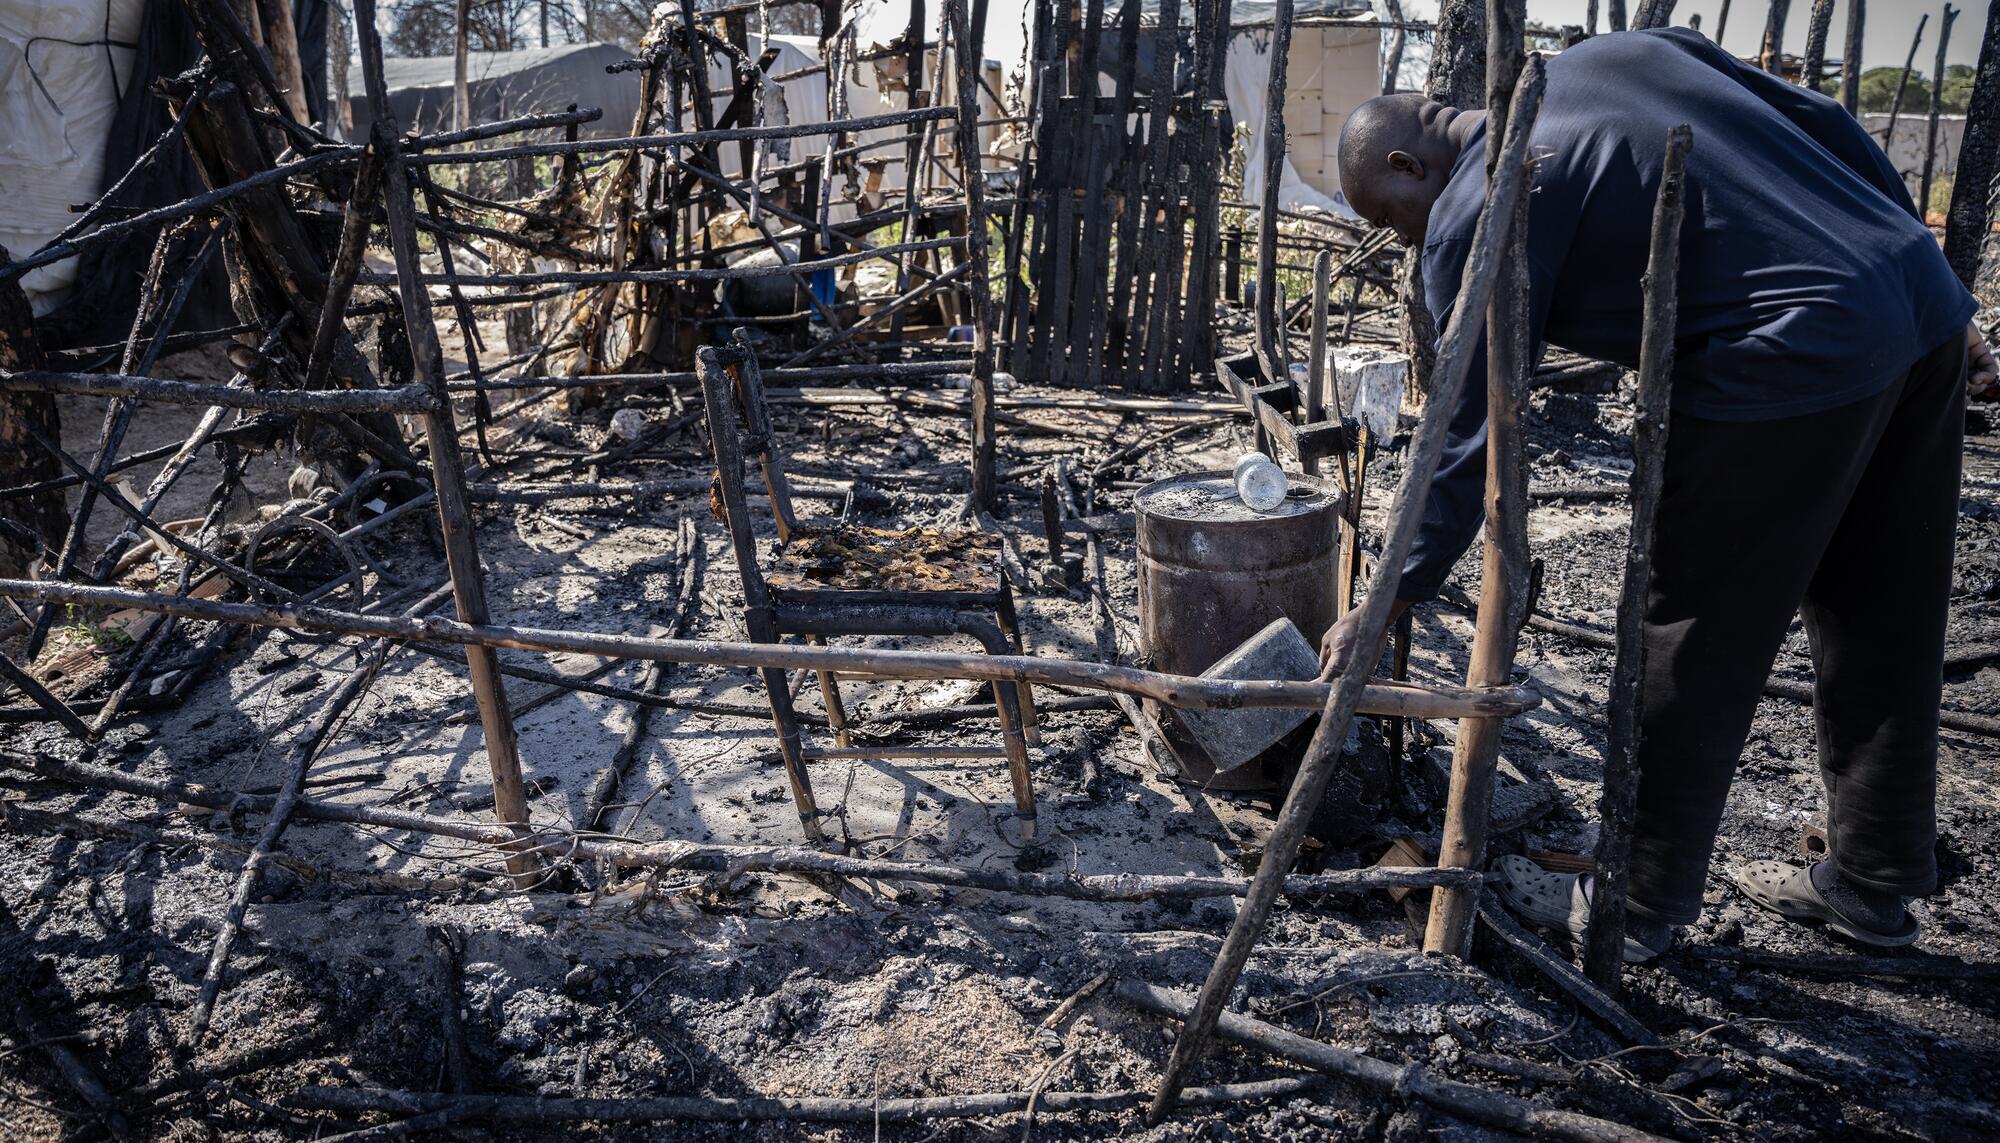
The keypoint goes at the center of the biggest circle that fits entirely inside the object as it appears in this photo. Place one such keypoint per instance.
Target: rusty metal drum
(1213, 572)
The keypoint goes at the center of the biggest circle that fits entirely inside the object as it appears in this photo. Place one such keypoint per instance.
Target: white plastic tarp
(59, 89)
(1246, 78)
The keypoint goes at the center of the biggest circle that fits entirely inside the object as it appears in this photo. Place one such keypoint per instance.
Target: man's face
(1398, 196)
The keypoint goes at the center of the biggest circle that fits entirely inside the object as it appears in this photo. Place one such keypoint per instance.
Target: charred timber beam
(1403, 700)
(407, 399)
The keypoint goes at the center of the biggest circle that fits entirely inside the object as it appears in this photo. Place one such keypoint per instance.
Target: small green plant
(106, 637)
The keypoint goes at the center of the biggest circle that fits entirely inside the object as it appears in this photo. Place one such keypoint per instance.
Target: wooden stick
(1407, 701)
(1850, 60)
(1931, 120)
(1605, 945)
(1274, 169)
(1503, 577)
(1480, 1105)
(657, 1109)
(56, 708)
(1816, 30)
(1316, 378)
(1323, 753)
(1562, 973)
(447, 466)
(968, 54)
(701, 856)
(1903, 82)
(1965, 232)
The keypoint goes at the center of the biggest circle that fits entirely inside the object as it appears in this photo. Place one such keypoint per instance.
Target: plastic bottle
(1260, 483)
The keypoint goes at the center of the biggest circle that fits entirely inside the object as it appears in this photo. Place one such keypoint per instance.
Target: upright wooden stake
(1816, 30)
(1605, 947)
(1503, 577)
(985, 485)
(1770, 57)
(1903, 82)
(1721, 21)
(1392, 60)
(1316, 377)
(461, 89)
(1850, 58)
(510, 803)
(1274, 169)
(1965, 229)
(1931, 122)
(1323, 753)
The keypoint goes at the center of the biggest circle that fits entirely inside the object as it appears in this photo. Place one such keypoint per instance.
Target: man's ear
(1404, 163)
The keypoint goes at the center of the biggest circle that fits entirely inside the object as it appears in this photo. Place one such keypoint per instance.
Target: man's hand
(1336, 647)
(1982, 371)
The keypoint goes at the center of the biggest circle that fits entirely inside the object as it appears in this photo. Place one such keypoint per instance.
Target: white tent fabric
(1246, 75)
(57, 100)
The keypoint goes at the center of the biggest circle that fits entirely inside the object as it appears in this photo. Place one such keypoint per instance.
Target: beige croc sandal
(1788, 891)
(1553, 900)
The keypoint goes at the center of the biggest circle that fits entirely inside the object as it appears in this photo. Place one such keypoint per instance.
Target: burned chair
(844, 579)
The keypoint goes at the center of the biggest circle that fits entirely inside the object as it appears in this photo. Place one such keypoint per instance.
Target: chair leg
(1010, 624)
(1007, 702)
(793, 751)
(829, 694)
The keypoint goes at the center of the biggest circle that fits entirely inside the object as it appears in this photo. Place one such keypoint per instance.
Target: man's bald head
(1396, 154)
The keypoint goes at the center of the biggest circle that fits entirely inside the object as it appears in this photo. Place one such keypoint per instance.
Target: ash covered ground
(365, 947)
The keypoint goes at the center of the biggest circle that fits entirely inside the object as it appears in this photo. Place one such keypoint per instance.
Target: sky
(1886, 40)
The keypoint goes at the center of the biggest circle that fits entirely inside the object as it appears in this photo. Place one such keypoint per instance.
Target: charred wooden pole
(503, 758)
(1392, 60)
(1316, 378)
(1267, 217)
(1931, 120)
(1457, 78)
(1817, 27)
(1965, 230)
(1605, 945)
(1850, 58)
(1615, 14)
(970, 44)
(1903, 82)
(42, 516)
(1323, 753)
(1771, 55)
(1721, 21)
(1503, 576)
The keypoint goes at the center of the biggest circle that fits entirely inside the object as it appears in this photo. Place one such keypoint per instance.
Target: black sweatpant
(1847, 517)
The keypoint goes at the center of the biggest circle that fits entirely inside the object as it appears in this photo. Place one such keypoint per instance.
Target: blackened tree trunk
(1771, 57)
(42, 516)
(1816, 31)
(1972, 186)
(1614, 12)
(1457, 77)
(1937, 103)
(1850, 59)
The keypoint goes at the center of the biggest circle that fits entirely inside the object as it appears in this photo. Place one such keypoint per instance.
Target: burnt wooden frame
(732, 386)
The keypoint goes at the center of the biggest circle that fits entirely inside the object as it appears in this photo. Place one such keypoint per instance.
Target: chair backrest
(732, 387)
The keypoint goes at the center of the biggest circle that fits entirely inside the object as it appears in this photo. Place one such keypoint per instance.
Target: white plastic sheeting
(59, 89)
(1330, 71)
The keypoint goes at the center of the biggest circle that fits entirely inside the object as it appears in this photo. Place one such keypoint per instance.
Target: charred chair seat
(829, 579)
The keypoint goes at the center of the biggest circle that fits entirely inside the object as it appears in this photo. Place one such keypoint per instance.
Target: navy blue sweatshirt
(1807, 278)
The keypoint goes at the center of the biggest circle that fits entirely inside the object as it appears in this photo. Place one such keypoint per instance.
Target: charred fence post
(1503, 576)
(1605, 946)
(503, 757)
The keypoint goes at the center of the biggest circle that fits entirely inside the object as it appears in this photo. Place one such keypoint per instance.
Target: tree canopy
(1878, 89)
